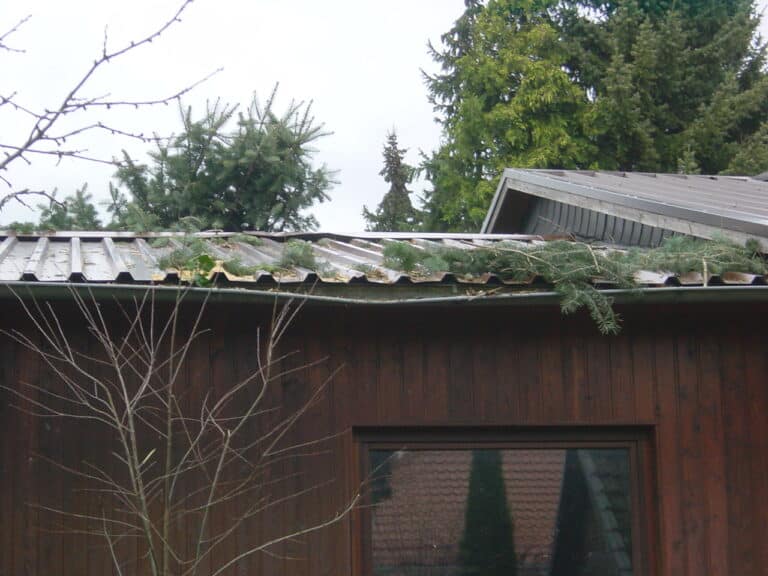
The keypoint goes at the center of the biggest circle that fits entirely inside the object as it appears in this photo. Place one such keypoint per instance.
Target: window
(492, 505)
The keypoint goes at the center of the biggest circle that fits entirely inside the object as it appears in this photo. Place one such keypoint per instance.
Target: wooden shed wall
(691, 376)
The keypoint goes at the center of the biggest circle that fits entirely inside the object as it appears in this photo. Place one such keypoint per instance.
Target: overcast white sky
(359, 61)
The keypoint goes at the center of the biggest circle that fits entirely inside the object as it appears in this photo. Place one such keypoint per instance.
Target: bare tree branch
(170, 462)
(41, 139)
(4, 35)
(21, 195)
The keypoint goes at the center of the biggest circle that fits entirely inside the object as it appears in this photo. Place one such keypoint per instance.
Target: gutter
(59, 292)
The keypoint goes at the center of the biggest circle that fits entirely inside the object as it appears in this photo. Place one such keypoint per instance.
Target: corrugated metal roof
(123, 258)
(735, 206)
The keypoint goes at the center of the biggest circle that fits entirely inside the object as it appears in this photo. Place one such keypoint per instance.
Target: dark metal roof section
(735, 207)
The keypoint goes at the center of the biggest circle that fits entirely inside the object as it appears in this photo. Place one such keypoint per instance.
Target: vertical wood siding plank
(579, 378)
(319, 470)
(49, 486)
(365, 373)
(390, 389)
(295, 394)
(461, 390)
(414, 398)
(712, 445)
(9, 356)
(623, 386)
(223, 378)
(551, 391)
(436, 370)
(738, 455)
(200, 386)
(529, 389)
(484, 378)
(569, 393)
(669, 469)
(26, 501)
(507, 379)
(757, 406)
(691, 455)
(643, 370)
(602, 403)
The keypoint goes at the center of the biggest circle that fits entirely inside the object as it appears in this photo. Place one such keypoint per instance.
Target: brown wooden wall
(692, 377)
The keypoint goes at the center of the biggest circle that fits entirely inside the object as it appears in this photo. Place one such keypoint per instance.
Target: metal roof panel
(690, 204)
(341, 260)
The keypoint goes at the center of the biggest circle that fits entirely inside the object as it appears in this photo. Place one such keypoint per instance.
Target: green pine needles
(576, 269)
(196, 260)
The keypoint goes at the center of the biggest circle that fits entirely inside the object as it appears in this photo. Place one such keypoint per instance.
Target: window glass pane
(511, 512)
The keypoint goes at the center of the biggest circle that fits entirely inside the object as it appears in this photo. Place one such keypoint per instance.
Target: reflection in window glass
(512, 512)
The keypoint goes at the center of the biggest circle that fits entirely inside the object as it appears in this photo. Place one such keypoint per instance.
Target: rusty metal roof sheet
(125, 258)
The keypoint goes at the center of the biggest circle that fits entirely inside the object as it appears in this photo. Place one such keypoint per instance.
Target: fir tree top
(395, 213)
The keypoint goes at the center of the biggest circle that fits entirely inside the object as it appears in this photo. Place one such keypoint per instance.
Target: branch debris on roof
(426, 266)
(576, 269)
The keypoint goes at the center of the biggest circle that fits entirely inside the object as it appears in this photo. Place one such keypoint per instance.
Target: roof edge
(101, 234)
(681, 219)
(496, 203)
(55, 291)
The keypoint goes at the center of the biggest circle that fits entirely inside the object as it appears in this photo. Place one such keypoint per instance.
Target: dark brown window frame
(637, 439)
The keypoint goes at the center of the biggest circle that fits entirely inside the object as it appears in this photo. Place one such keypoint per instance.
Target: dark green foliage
(395, 213)
(298, 253)
(573, 268)
(488, 545)
(161, 242)
(620, 85)
(128, 215)
(505, 99)
(256, 176)
(246, 239)
(75, 212)
(751, 157)
(668, 78)
(403, 256)
(21, 227)
(682, 254)
(191, 259)
(195, 261)
(236, 267)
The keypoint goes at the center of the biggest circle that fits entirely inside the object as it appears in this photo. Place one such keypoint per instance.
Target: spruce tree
(672, 79)
(636, 85)
(752, 155)
(487, 546)
(395, 213)
(75, 212)
(256, 175)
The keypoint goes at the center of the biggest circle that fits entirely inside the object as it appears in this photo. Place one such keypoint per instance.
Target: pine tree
(75, 212)
(488, 545)
(258, 175)
(395, 213)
